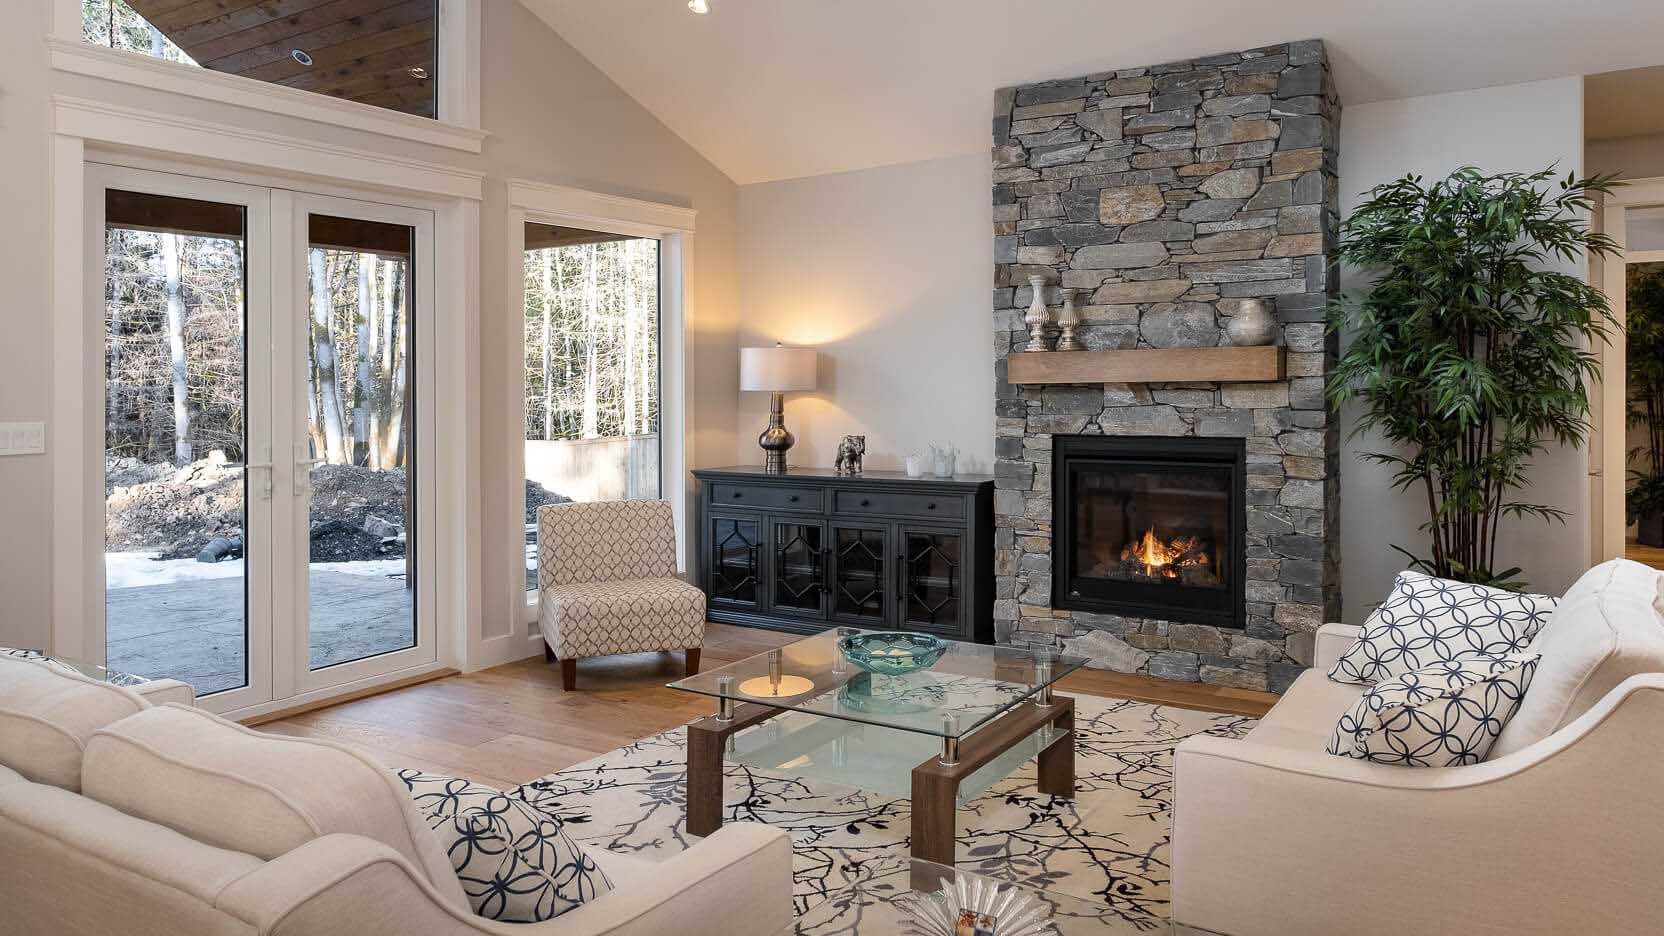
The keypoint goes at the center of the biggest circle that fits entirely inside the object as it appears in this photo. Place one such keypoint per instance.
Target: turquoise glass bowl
(892, 653)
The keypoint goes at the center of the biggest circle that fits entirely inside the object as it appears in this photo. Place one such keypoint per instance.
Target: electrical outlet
(22, 438)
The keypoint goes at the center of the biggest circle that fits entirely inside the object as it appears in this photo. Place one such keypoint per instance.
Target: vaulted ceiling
(774, 89)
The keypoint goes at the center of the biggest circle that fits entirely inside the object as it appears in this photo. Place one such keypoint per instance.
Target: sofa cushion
(1445, 715)
(515, 862)
(235, 788)
(1427, 620)
(47, 715)
(1605, 630)
(1305, 716)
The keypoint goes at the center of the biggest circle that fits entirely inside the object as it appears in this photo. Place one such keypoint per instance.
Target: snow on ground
(138, 569)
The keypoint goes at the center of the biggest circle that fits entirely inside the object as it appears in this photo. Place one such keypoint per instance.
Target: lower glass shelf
(865, 757)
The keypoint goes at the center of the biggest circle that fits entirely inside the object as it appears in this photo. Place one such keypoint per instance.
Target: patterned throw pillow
(1444, 715)
(1429, 620)
(515, 862)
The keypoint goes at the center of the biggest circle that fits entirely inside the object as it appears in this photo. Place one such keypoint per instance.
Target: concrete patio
(193, 630)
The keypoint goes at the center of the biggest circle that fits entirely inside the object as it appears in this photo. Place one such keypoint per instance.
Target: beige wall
(1637, 157)
(1519, 127)
(25, 381)
(552, 117)
(886, 272)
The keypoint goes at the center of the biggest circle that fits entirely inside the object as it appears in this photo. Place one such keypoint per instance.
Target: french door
(266, 390)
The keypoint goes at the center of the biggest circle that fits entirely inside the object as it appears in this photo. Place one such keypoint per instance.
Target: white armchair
(607, 584)
(1272, 835)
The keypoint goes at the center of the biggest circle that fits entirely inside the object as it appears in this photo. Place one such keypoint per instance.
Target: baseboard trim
(362, 693)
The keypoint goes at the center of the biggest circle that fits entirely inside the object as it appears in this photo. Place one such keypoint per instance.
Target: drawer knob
(930, 506)
(866, 503)
(792, 498)
(738, 494)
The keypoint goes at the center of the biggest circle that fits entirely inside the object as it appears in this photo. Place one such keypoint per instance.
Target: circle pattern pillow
(1445, 715)
(1427, 620)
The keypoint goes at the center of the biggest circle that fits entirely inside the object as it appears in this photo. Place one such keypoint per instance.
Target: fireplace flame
(1165, 558)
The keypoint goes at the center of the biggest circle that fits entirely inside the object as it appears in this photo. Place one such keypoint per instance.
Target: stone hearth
(1167, 195)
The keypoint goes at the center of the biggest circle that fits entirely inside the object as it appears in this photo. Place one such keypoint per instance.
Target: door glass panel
(859, 588)
(734, 560)
(591, 370)
(799, 566)
(380, 52)
(933, 579)
(360, 423)
(176, 491)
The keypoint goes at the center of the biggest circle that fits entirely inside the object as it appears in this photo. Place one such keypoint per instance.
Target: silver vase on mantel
(1252, 325)
(1067, 321)
(1037, 318)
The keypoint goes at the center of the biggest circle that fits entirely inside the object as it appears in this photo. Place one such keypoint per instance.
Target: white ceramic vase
(1037, 318)
(1252, 324)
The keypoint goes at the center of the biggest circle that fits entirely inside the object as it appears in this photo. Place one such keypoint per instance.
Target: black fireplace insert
(1149, 527)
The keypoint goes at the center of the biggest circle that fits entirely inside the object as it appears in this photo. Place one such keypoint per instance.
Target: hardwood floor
(1646, 555)
(510, 724)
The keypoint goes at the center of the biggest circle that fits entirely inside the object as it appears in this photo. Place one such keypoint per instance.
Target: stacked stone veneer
(1167, 195)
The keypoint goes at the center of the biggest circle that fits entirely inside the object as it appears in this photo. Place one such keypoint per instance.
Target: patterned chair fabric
(607, 581)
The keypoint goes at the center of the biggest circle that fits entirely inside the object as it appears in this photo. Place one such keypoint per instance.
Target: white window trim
(459, 82)
(86, 130)
(673, 227)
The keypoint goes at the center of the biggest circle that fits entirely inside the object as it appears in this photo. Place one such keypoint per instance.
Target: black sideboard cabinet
(813, 549)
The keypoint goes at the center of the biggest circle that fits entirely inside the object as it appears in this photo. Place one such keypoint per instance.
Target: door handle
(303, 475)
(264, 492)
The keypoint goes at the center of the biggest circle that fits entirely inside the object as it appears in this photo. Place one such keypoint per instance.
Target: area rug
(1109, 844)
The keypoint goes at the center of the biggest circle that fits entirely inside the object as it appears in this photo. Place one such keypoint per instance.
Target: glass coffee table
(939, 736)
(900, 902)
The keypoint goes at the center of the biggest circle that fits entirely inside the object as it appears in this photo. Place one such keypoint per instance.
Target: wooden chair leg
(693, 661)
(569, 675)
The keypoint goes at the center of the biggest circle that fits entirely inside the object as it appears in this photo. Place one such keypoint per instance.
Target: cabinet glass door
(736, 566)
(799, 557)
(933, 583)
(860, 585)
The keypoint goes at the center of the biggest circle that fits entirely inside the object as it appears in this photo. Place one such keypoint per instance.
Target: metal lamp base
(775, 440)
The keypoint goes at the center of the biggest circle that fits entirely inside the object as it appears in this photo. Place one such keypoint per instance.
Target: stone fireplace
(1164, 197)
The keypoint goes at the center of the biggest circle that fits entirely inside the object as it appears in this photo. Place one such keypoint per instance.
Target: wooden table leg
(704, 780)
(935, 803)
(1057, 761)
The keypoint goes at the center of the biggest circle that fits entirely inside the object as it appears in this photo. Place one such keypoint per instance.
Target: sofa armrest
(1333, 640)
(736, 880)
(1270, 840)
(163, 691)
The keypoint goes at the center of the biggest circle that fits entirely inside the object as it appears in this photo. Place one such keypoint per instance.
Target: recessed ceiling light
(300, 56)
(699, 6)
(417, 71)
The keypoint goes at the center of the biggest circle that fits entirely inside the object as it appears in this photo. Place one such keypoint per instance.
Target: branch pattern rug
(1109, 844)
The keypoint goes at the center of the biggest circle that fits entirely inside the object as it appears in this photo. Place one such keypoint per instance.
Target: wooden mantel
(1146, 365)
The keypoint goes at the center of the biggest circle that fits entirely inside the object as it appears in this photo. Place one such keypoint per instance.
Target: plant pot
(1649, 529)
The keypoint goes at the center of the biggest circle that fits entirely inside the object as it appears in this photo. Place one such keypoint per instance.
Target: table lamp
(776, 370)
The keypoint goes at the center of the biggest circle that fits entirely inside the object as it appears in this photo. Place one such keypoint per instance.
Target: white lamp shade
(777, 369)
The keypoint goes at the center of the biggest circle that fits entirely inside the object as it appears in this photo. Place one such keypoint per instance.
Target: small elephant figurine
(850, 451)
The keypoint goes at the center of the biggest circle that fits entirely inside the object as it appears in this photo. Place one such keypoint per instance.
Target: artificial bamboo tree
(1470, 350)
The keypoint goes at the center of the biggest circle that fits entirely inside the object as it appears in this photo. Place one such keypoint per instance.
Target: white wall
(888, 273)
(552, 116)
(25, 481)
(1519, 127)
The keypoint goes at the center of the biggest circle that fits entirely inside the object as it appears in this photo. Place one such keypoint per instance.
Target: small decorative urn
(1037, 319)
(1252, 324)
(1067, 321)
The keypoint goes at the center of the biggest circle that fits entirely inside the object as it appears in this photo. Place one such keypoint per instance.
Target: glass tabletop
(968, 686)
(924, 899)
(89, 670)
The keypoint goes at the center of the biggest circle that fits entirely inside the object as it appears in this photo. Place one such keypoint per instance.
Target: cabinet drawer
(765, 496)
(895, 504)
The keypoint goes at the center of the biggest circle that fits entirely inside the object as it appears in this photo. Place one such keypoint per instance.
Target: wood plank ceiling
(361, 50)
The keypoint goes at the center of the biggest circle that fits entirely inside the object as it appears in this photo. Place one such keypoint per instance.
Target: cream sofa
(121, 817)
(1560, 831)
